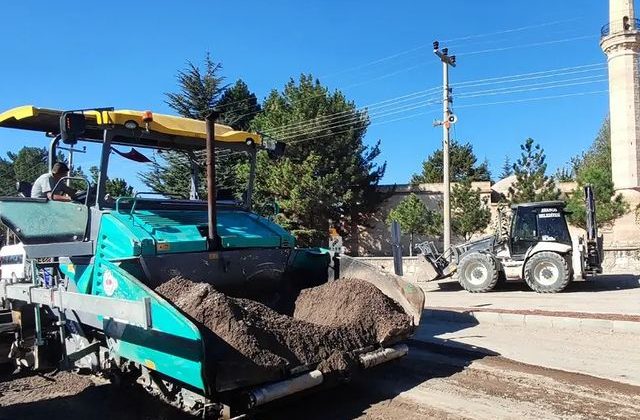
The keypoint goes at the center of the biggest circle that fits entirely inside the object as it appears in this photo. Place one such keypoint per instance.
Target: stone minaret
(621, 43)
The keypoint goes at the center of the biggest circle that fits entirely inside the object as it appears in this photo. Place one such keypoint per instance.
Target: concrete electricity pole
(447, 119)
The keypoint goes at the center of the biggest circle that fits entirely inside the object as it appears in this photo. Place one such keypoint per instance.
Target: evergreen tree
(463, 165)
(303, 115)
(594, 168)
(507, 168)
(415, 219)
(469, 211)
(532, 183)
(201, 90)
(305, 199)
(116, 187)
(7, 178)
(564, 175)
(29, 163)
(238, 106)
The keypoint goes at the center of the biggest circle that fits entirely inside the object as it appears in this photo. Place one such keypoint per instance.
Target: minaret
(621, 43)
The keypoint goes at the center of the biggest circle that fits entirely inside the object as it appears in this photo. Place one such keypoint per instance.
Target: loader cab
(537, 222)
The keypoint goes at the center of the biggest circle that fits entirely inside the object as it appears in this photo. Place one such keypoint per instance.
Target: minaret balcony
(625, 25)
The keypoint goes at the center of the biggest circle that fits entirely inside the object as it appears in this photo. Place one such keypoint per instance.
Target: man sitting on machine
(44, 185)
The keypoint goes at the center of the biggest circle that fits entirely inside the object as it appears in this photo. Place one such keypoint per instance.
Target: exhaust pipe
(212, 236)
(277, 390)
(383, 355)
(272, 392)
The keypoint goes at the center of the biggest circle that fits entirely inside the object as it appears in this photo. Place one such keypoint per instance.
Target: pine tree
(463, 164)
(507, 168)
(29, 163)
(414, 218)
(116, 187)
(201, 90)
(302, 115)
(238, 106)
(532, 183)
(469, 211)
(594, 168)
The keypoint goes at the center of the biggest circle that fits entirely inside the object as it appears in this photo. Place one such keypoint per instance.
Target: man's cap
(59, 168)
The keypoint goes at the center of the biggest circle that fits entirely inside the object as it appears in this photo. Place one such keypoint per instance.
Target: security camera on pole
(447, 119)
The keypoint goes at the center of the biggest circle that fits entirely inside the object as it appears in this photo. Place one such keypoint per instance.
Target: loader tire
(547, 272)
(478, 272)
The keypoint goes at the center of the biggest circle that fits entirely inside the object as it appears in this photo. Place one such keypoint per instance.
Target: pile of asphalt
(249, 343)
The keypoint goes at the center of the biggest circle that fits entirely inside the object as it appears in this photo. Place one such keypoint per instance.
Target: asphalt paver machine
(87, 298)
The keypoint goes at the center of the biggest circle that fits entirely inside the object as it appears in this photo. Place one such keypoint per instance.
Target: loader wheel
(547, 272)
(478, 272)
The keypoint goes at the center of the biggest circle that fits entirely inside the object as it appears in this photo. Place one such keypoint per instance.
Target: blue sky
(126, 54)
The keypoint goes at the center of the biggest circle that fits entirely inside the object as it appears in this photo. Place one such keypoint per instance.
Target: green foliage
(200, 89)
(7, 178)
(532, 183)
(171, 175)
(29, 163)
(594, 168)
(564, 175)
(415, 218)
(304, 116)
(507, 168)
(238, 106)
(463, 165)
(469, 211)
(116, 187)
(599, 154)
(305, 199)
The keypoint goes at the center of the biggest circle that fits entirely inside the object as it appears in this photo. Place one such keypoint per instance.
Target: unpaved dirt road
(431, 382)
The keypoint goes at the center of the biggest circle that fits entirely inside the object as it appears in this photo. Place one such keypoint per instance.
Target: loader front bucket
(408, 295)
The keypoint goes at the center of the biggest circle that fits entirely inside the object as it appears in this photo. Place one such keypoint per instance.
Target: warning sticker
(109, 283)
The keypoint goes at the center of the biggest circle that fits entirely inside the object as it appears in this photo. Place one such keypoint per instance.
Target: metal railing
(620, 26)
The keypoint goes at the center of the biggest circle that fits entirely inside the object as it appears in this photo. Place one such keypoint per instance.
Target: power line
(303, 125)
(464, 106)
(532, 75)
(517, 86)
(405, 69)
(300, 125)
(529, 89)
(535, 44)
(374, 105)
(452, 40)
(505, 92)
(360, 121)
(534, 99)
(357, 114)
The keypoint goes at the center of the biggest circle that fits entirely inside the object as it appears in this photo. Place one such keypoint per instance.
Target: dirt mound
(251, 343)
(353, 302)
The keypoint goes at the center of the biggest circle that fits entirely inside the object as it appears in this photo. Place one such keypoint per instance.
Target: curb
(579, 322)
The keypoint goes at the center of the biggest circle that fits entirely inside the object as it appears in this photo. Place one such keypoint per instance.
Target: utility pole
(447, 119)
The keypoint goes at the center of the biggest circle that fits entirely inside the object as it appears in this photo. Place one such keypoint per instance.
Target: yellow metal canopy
(29, 117)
